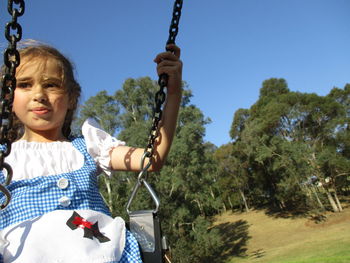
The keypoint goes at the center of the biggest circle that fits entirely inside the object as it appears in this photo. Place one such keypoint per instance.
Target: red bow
(90, 230)
(81, 222)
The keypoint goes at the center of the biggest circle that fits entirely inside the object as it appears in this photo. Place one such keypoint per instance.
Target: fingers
(173, 53)
(167, 66)
(169, 63)
(169, 60)
(174, 49)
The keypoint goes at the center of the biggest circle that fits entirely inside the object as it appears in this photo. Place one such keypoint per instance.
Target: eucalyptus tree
(232, 176)
(188, 184)
(286, 137)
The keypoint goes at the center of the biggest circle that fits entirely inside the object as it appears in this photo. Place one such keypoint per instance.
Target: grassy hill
(258, 237)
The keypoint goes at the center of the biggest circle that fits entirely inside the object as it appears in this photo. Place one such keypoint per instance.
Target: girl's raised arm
(128, 158)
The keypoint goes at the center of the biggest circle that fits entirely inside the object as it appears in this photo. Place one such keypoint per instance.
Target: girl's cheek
(19, 100)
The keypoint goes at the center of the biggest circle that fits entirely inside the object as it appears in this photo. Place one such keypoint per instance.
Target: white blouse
(33, 159)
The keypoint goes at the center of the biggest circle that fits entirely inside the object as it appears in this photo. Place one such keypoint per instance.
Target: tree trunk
(317, 198)
(231, 205)
(280, 204)
(109, 193)
(171, 190)
(211, 192)
(332, 202)
(244, 200)
(200, 207)
(224, 206)
(337, 201)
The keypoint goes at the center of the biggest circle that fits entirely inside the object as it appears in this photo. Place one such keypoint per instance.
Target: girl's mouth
(40, 111)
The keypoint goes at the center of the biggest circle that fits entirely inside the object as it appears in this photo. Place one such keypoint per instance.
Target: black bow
(90, 230)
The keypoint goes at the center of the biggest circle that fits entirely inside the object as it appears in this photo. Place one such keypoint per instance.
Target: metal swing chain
(13, 33)
(157, 116)
(162, 82)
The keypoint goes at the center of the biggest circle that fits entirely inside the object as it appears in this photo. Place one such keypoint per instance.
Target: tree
(103, 108)
(287, 138)
(232, 175)
(238, 124)
(188, 187)
(273, 87)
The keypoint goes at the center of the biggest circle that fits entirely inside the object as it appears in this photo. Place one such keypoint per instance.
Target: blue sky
(229, 47)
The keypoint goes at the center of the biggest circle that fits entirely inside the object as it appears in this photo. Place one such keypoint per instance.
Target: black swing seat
(145, 225)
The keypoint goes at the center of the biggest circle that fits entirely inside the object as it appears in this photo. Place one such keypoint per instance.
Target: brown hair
(71, 86)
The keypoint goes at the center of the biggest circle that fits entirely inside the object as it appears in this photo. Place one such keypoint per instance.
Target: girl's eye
(23, 85)
(52, 86)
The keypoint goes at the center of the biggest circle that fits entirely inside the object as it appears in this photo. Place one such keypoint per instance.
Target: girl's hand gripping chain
(169, 63)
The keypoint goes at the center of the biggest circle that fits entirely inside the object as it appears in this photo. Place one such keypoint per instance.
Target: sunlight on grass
(317, 252)
(287, 240)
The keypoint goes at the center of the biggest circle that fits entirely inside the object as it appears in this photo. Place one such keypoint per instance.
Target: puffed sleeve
(99, 144)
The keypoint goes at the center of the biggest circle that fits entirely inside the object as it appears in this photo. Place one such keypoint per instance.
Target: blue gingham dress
(38, 196)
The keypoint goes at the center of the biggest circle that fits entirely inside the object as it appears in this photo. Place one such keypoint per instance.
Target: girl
(56, 213)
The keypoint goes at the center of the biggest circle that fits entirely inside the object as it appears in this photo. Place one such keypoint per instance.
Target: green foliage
(188, 188)
(287, 137)
(101, 107)
(273, 87)
(187, 183)
(239, 119)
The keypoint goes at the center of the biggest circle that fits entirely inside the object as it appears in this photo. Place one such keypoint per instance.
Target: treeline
(290, 151)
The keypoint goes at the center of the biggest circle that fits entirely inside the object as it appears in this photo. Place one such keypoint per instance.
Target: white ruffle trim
(99, 144)
(33, 159)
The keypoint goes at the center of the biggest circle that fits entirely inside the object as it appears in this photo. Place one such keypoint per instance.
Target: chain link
(160, 95)
(13, 33)
(174, 26)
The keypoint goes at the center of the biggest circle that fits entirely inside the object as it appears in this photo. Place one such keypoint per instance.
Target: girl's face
(40, 102)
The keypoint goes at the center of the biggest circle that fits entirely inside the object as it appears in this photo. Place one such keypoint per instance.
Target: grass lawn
(260, 238)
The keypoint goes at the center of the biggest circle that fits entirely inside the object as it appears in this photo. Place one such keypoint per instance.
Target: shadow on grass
(312, 215)
(235, 238)
(275, 212)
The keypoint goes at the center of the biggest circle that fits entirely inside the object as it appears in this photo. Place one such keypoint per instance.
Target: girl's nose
(39, 94)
